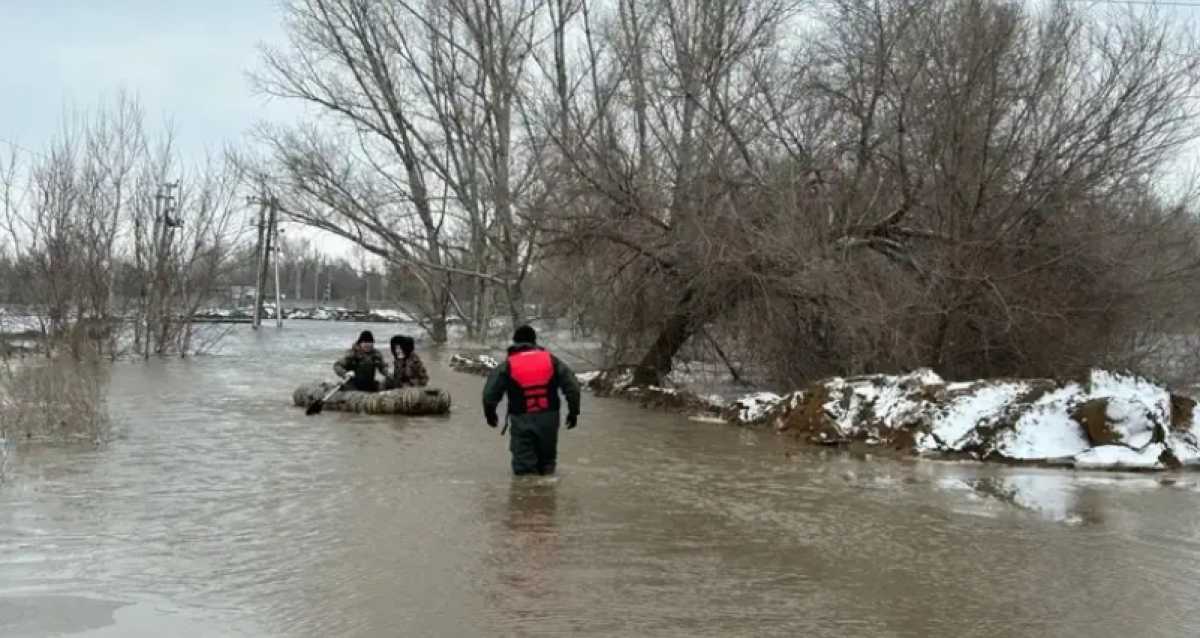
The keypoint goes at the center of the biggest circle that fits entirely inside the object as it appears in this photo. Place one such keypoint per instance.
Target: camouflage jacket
(362, 364)
(409, 372)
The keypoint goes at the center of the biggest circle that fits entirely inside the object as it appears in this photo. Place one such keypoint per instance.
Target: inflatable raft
(410, 401)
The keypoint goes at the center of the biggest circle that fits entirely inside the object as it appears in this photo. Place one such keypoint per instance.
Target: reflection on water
(526, 555)
(218, 509)
(1053, 495)
(532, 536)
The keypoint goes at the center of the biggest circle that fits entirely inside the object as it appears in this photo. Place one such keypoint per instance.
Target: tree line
(826, 187)
(815, 188)
(108, 234)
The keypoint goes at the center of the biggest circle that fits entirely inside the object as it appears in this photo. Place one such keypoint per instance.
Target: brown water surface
(219, 509)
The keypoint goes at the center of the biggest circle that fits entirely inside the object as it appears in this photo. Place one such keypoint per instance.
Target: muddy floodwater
(218, 509)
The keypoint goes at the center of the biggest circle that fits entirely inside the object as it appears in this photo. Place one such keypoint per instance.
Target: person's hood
(522, 347)
(399, 343)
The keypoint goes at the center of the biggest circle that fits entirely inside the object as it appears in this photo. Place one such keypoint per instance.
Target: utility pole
(317, 283)
(163, 229)
(268, 247)
(274, 223)
(261, 269)
(298, 280)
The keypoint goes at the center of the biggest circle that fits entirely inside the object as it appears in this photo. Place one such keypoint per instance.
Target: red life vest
(532, 390)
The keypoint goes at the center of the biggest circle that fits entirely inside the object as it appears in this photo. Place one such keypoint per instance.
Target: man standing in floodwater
(531, 378)
(359, 365)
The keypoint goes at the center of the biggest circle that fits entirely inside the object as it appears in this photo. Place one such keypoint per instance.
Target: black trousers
(534, 442)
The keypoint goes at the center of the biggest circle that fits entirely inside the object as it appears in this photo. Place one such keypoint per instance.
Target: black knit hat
(365, 336)
(525, 334)
(404, 342)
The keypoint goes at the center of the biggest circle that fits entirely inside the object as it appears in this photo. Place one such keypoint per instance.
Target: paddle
(319, 404)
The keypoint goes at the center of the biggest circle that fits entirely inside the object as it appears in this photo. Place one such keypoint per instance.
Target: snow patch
(895, 406)
(391, 314)
(753, 407)
(19, 324)
(1185, 447)
(479, 364)
(954, 426)
(623, 381)
(1046, 430)
(1121, 457)
(924, 376)
(1043, 435)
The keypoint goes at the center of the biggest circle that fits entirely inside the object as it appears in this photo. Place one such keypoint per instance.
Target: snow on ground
(753, 407)
(1046, 430)
(1121, 457)
(895, 404)
(623, 381)
(393, 315)
(1024, 421)
(474, 363)
(1132, 389)
(18, 324)
(845, 404)
(1043, 436)
(322, 314)
(962, 415)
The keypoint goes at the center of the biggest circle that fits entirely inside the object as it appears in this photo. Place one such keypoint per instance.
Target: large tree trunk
(656, 364)
(689, 317)
(437, 330)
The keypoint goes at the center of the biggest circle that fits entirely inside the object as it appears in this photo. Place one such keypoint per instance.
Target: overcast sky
(185, 60)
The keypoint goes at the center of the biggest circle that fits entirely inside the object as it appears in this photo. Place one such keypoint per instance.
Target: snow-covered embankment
(1107, 420)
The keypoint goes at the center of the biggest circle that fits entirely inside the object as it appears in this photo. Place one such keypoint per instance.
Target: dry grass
(53, 401)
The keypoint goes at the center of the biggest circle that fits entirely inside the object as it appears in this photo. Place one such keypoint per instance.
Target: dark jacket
(500, 385)
(362, 364)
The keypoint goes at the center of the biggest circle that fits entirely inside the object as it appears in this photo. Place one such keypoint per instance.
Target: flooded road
(220, 510)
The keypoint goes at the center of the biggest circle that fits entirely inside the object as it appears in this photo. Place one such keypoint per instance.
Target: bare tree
(420, 162)
(911, 183)
(666, 188)
(70, 231)
(986, 161)
(831, 188)
(209, 210)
